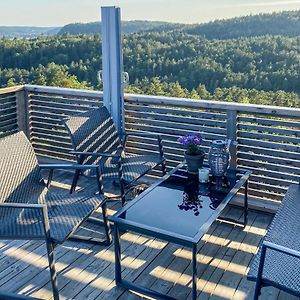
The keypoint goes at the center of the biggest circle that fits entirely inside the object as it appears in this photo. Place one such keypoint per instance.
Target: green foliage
(285, 23)
(168, 61)
(127, 27)
(263, 63)
(232, 94)
(51, 75)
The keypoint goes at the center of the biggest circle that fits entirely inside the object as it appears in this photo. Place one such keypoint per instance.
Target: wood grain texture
(86, 271)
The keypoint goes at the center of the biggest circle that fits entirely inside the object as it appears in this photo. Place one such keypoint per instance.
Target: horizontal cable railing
(268, 138)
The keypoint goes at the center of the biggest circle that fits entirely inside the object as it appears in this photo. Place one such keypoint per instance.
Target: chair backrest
(93, 131)
(20, 179)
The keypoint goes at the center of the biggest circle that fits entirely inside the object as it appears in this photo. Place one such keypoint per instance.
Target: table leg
(246, 204)
(194, 274)
(118, 274)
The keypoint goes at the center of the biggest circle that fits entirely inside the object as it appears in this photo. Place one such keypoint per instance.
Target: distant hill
(285, 23)
(127, 27)
(27, 31)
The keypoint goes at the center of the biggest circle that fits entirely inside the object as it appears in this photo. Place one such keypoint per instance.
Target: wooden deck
(87, 271)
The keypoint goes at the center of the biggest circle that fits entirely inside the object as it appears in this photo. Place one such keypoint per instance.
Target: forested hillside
(267, 63)
(26, 31)
(83, 28)
(284, 23)
(261, 69)
(127, 27)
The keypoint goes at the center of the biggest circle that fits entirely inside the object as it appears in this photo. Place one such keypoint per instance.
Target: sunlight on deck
(86, 271)
(182, 279)
(220, 263)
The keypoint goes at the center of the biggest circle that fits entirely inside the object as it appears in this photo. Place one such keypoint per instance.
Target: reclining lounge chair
(28, 211)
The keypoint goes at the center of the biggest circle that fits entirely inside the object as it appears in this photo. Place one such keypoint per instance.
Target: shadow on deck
(87, 271)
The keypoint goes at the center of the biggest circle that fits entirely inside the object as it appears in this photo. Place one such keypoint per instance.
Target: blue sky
(60, 12)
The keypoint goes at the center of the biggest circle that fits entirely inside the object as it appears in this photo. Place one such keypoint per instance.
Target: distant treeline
(264, 63)
(127, 27)
(174, 58)
(285, 23)
(233, 94)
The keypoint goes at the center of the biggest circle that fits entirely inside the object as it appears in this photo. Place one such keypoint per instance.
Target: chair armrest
(23, 205)
(281, 249)
(67, 167)
(104, 154)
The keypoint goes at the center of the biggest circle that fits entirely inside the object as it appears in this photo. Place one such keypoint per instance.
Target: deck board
(86, 271)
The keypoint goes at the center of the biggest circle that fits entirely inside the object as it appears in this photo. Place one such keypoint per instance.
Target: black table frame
(122, 225)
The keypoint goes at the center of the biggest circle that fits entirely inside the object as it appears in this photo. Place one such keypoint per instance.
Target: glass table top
(180, 204)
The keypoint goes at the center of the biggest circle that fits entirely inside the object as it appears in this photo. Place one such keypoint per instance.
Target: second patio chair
(96, 141)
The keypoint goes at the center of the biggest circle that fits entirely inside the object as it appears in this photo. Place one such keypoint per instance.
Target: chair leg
(50, 252)
(106, 223)
(257, 291)
(50, 177)
(122, 190)
(94, 240)
(74, 182)
(258, 284)
(164, 168)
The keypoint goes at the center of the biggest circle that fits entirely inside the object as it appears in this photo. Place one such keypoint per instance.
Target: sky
(61, 12)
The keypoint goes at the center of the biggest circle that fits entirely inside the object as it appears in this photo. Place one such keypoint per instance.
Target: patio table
(180, 210)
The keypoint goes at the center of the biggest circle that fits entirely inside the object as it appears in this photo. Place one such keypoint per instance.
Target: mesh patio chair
(96, 142)
(29, 211)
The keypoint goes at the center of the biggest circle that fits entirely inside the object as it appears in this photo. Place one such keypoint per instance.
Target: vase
(219, 158)
(194, 162)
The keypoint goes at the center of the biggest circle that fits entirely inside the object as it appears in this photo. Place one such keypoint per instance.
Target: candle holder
(203, 175)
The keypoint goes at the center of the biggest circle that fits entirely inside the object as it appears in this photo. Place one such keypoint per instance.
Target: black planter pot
(194, 162)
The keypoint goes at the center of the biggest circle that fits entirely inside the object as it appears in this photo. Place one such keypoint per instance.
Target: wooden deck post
(232, 135)
(23, 111)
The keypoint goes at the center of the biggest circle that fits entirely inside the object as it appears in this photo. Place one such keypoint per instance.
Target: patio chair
(96, 142)
(28, 211)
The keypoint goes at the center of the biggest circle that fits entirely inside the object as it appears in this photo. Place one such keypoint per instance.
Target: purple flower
(191, 142)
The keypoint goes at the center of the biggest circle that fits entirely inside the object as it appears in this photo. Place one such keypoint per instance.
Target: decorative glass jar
(219, 157)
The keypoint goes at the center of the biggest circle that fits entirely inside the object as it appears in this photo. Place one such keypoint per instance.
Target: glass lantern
(219, 157)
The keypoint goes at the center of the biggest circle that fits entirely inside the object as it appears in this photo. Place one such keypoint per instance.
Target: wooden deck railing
(268, 138)
(8, 110)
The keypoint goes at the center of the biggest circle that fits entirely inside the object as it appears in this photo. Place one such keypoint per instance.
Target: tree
(202, 92)
(10, 82)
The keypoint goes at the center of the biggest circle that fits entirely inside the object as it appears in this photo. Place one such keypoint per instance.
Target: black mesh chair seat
(96, 141)
(280, 269)
(66, 212)
(133, 166)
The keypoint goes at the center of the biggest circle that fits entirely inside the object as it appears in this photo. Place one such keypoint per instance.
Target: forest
(263, 69)
(285, 23)
(127, 27)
